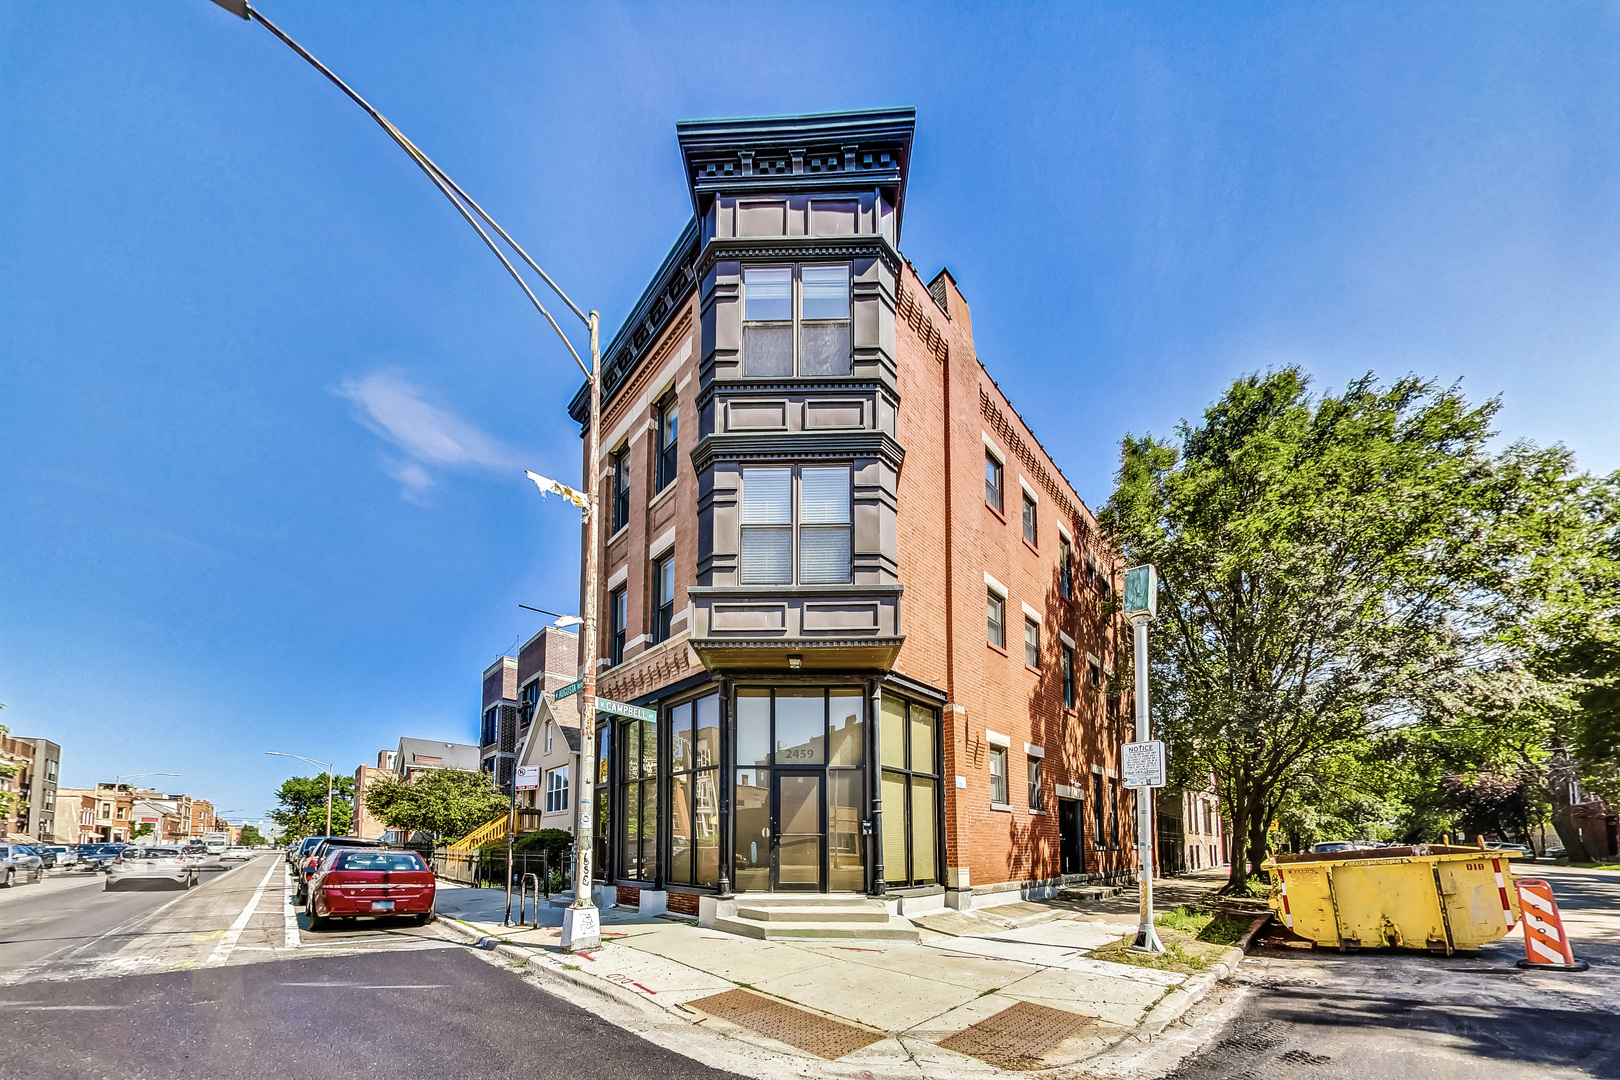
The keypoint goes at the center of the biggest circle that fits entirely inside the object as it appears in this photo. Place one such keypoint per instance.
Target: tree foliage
(1336, 570)
(444, 802)
(301, 808)
(252, 837)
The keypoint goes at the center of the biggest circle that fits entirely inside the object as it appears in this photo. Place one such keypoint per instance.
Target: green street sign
(619, 708)
(569, 690)
(1141, 591)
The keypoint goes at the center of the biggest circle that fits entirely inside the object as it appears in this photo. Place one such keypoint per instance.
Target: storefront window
(694, 789)
(638, 831)
(908, 736)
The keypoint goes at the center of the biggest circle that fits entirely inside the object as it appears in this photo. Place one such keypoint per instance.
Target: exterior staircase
(493, 829)
(786, 917)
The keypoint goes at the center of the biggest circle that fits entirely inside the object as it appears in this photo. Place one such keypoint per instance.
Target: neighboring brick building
(365, 824)
(32, 787)
(875, 619)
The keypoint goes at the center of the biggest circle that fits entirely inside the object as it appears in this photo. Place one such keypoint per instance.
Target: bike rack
(524, 892)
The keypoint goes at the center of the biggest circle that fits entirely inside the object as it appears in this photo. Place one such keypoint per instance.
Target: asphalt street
(445, 1013)
(1313, 1015)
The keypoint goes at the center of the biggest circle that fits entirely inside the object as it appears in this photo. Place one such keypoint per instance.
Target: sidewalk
(1006, 988)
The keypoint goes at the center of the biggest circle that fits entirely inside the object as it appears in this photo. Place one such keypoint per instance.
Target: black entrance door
(798, 833)
(1071, 831)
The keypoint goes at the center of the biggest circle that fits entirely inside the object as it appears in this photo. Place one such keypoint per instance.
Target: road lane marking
(288, 915)
(222, 951)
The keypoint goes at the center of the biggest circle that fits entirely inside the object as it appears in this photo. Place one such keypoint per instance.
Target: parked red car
(370, 883)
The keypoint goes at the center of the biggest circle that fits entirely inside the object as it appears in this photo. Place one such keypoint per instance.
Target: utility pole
(1141, 604)
(581, 921)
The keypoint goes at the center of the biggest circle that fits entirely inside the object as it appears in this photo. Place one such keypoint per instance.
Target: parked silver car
(153, 868)
(65, 856)
(20, 865)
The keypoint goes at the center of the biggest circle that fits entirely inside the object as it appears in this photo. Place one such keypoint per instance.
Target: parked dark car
(99, 856)
(19, 865)
(328, 844)
(47, 857)
(370, 883)
(299, 851)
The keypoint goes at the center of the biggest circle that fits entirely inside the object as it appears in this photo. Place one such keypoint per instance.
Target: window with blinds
(796, 320)
(819, 504)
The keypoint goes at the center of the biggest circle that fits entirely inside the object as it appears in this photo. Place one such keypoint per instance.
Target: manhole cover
(1017, 1036)
(776, 1020)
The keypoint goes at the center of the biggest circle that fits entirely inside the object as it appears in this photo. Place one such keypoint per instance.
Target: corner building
(874, 619)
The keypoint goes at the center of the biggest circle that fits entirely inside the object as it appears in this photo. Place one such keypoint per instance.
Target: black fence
(487, 869)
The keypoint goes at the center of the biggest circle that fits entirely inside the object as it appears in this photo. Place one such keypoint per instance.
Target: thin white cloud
(429, 436)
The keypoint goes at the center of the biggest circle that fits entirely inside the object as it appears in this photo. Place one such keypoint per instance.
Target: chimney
(943, 289)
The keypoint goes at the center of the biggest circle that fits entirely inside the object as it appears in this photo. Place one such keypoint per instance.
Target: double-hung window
(1032, 642)
(621, 488)
(996, 618)
(992, 480)
(1068, 677)
(668, 440)
(617, 612)
(557, 790)
(1029, 520)
(998, 776)
(1065, 567)
(664, 584)
(818, 497)
(796, 320)
(1035, 800)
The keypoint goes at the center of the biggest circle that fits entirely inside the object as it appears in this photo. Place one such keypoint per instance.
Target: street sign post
(528, 777)
(1139, 758)
(1141, 764)
(569, 690)
(619, 708)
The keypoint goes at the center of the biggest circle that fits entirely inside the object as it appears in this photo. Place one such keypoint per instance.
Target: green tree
(445, 802)
(251, 836)
(1334, 569)
(143, 829)
(301, 808)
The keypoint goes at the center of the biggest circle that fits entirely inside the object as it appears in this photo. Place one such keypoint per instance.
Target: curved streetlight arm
(322, 764)
(448, 187)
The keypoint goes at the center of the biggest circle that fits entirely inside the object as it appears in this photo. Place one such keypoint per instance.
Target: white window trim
(1037, 752)
(995, 451)
(1092, 659)
(1067, 640)
(1031, 613)
(1065, 533)
(1034, 496)
(659, 547)
(619, 577)
(995, 586)
(996, 738)
(1097, 769)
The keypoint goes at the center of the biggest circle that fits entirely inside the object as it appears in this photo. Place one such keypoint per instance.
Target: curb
(1174, 1005)
(544, 963)
(1259, 924)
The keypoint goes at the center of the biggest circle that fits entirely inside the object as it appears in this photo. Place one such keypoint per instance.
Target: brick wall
(949, 406)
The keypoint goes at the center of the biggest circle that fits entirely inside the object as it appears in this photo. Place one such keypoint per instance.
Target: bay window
(796, 320)
(820, 503)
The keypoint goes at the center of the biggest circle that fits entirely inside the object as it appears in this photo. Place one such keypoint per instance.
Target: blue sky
(265, 401)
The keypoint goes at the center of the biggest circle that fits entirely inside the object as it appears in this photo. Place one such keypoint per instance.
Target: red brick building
(874, 618)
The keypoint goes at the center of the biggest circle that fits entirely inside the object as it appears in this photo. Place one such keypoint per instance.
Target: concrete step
(893, 929)
(874, 911)
(804, 900)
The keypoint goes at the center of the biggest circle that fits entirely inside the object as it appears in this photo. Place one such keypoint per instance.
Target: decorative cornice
(662, 664)
(797, 446)
(792, 248)
(917, 318)
(841, 385)
(797, 643)
(779, 592)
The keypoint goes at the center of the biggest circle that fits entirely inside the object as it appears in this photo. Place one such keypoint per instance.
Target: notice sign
(1141, 764)
(528, 777)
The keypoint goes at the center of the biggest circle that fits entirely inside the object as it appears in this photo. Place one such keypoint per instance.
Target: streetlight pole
(581, 923)
(322, 764)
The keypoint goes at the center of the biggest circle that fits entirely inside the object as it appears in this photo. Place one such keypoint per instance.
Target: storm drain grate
(776, 1020)
(1017, 1036)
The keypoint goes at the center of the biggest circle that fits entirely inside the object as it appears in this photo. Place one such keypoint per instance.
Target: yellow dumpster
(1430, 896)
